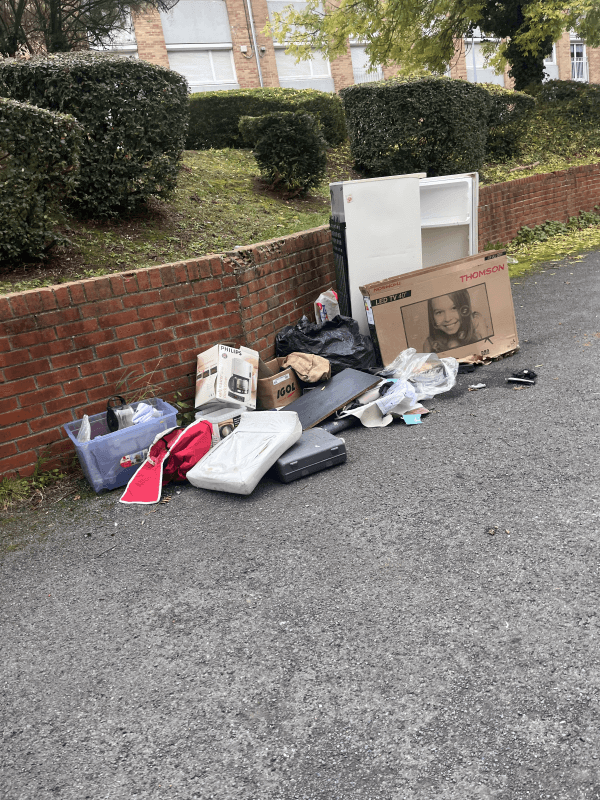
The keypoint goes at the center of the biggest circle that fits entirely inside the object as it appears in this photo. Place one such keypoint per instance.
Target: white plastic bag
(427, 372)
(144, 412)
(240, 460)
(379, 411)
(85, 430)
(326, 306)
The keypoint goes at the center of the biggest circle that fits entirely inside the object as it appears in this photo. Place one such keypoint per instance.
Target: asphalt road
(357, 635)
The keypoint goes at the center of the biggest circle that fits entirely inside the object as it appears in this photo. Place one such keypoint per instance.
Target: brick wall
(458, 67)
(593, 54)
(506, 207)
(342, 71)
(246, 67)
(150, 38)
(563, 57)
(63, 348)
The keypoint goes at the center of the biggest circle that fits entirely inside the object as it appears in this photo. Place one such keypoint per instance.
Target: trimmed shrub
(38, 163)
(249, 130)
(566, 120)
(134, 116)
(508, 119)
(572, 94)
(432, 125)
(215, 116)
(289, 149)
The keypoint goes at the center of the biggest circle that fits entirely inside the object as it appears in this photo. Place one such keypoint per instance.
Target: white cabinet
(388, 226)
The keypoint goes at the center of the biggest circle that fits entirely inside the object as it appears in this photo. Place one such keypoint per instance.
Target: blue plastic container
(109, 460)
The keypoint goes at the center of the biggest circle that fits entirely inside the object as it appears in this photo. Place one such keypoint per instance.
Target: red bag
(171, 456)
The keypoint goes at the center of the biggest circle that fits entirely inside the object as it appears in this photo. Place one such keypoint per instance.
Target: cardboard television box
(462, 309)
(227, 376)
(276, 387)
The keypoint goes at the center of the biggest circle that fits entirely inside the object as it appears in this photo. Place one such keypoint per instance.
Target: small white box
(227, 376)
(223, 420)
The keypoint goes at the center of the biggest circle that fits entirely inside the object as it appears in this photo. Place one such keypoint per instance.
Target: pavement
(356, 635)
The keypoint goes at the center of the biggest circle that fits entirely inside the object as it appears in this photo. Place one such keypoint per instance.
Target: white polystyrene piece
(240, 460)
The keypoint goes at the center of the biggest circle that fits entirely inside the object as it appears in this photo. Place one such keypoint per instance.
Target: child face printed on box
(448, 321)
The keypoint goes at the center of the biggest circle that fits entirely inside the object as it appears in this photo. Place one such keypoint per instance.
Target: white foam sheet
(240, 460)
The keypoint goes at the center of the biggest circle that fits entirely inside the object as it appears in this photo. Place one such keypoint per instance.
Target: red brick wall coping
(63, 348)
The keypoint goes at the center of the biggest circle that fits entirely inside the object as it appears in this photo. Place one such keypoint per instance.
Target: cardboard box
(462, 309)
(226, 376)
(276, 387)
(224, 421)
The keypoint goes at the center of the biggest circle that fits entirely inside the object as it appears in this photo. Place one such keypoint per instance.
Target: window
(363, 73)
(550, 60)
(477, 71)
(203, 68)
(551, 66)
(579, 62)
(121, 41)
(198, 40)
(312, 74)
(317, 67)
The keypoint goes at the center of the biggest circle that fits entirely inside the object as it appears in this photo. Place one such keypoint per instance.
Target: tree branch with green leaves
(421, 35)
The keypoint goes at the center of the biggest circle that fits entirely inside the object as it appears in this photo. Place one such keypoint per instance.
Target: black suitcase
(315, 450)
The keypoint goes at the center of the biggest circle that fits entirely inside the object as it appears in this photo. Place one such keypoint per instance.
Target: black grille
(340, 260)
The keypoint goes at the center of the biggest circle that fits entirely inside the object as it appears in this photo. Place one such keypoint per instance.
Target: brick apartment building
(220, 45)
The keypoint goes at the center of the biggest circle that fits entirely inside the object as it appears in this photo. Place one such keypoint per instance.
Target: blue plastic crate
(101, 457)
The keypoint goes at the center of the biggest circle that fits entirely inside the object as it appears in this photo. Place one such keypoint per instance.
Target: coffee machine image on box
(239, 383)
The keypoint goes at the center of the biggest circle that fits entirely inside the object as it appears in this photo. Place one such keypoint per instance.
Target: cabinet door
(449, 228)
(383, 236)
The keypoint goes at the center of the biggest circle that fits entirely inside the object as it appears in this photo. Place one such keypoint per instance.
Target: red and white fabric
(171, 455)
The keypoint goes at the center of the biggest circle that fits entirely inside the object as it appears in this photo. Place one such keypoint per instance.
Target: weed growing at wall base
(17, 490)
(532, 255)
(544, 232)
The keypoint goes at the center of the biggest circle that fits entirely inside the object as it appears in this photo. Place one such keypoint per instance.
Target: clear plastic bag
(326, 306)
(427, 372)
(85, 431)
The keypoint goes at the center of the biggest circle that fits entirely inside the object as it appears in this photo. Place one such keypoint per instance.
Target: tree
(57, 26)
(421, 34)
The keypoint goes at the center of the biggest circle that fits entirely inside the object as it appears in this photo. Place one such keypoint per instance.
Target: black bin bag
(338, 340)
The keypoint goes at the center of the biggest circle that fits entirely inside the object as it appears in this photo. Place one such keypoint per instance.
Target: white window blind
(317, 67)
(203, 66)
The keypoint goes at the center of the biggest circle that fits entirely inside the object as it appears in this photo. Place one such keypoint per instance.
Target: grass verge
(219, 203)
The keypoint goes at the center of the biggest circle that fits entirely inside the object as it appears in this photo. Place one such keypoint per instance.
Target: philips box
(226, 376)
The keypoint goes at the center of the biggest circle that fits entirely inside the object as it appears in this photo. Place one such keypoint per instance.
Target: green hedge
(432, 125)
(134, 115)
(38, 163)
(289, 149)
(508, 120)
(566, 120)
(215, 116)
